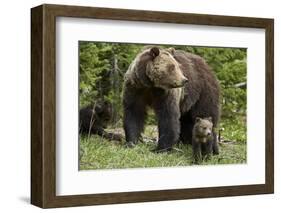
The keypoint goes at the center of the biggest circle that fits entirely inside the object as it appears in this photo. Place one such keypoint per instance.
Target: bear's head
(103, 113)
(203, 127)
(163, 70)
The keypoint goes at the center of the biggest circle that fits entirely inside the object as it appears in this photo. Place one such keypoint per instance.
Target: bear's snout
(179, 83)
(184, 81)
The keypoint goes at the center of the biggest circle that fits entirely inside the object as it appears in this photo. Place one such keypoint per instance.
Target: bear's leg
(215, 145)
(134, 116)
(186, 125)
(196, 151)
(168, 127)
(208, 150)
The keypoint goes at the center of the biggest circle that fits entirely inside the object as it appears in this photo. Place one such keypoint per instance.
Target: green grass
(99, 153)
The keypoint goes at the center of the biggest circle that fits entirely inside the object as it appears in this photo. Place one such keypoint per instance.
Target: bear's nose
(185, 80)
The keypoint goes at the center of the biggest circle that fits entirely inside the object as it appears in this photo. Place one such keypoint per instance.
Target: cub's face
(103, 112)
(164, 71)
(203, 127)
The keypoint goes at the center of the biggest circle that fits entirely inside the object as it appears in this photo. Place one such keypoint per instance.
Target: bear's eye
(171, 67)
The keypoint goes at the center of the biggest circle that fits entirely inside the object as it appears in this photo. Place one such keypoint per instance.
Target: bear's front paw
(130, 144)
(216, 151)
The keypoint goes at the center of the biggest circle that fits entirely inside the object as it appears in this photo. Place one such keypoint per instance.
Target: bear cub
(203, 139)
(94, 118)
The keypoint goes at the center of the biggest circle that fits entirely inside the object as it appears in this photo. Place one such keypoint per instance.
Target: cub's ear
(197, 119)
(154, 52)
(209, 119)
(171, 50)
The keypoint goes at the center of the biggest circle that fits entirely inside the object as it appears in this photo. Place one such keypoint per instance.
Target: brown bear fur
(179, 86)
(202, 138)
(94, 118)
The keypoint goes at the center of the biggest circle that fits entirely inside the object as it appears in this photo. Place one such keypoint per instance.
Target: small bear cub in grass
(202, 139)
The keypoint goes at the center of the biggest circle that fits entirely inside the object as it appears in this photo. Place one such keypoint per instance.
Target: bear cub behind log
(94, 118)
(203, 138)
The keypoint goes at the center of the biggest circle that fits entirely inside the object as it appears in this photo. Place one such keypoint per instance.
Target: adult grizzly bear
(179, 86)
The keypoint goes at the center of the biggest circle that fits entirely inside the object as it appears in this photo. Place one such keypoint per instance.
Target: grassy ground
(99, 153)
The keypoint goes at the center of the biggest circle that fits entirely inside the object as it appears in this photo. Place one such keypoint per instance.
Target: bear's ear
(209, 119)
(154, 52)
(171, 50)
(197, 119)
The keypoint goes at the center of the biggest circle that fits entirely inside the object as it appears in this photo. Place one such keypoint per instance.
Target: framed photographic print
(136, 106)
